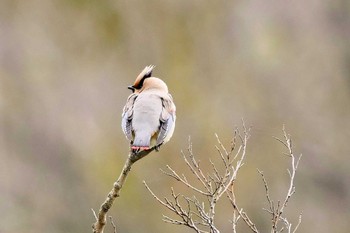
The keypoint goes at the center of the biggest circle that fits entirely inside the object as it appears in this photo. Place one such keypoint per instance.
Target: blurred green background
(64, 69)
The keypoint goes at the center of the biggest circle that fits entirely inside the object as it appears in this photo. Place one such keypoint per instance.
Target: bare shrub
(218, 184)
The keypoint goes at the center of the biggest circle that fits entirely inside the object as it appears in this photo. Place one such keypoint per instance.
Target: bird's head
(140, 80)
(155, 84)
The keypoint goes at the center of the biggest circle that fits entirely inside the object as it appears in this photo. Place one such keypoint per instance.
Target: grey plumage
(148, 117)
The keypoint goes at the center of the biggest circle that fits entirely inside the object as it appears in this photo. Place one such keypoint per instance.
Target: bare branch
(281, 141)
(241, 214)
(223, 148)
(233, 142)
(269, 200)
(94, 213)
(277, 211)
(194, 168)
(113, 225)
(101, 220)
(199, 215)
(298, 224)
(183, 180)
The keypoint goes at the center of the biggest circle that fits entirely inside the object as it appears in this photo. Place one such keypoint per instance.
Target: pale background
(64, 69)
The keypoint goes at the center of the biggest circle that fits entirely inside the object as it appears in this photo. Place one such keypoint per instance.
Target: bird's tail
(142, 141)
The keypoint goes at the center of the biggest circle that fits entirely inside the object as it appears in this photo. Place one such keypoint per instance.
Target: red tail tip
(140, 148)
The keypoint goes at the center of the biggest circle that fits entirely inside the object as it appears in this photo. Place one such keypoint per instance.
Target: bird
(149, 115)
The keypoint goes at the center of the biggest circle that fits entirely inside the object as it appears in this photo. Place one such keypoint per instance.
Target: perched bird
(148, 118)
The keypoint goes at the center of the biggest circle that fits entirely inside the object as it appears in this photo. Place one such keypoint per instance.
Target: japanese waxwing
(148, 118)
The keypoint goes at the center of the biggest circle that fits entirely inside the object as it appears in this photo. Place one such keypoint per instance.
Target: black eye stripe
(147, 75)
(131, 88)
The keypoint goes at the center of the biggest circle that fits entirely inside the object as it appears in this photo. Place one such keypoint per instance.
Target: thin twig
(113, 225)
(278, 210)
(298, 224)
(241, 214)
(94, 213)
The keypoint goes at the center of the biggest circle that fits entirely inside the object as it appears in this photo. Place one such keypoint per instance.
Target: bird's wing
(127, 116)
(167, 118)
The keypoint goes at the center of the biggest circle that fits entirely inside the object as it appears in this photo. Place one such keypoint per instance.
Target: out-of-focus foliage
(64, 68)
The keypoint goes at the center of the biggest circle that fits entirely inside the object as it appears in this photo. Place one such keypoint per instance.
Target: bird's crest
(145, 73)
